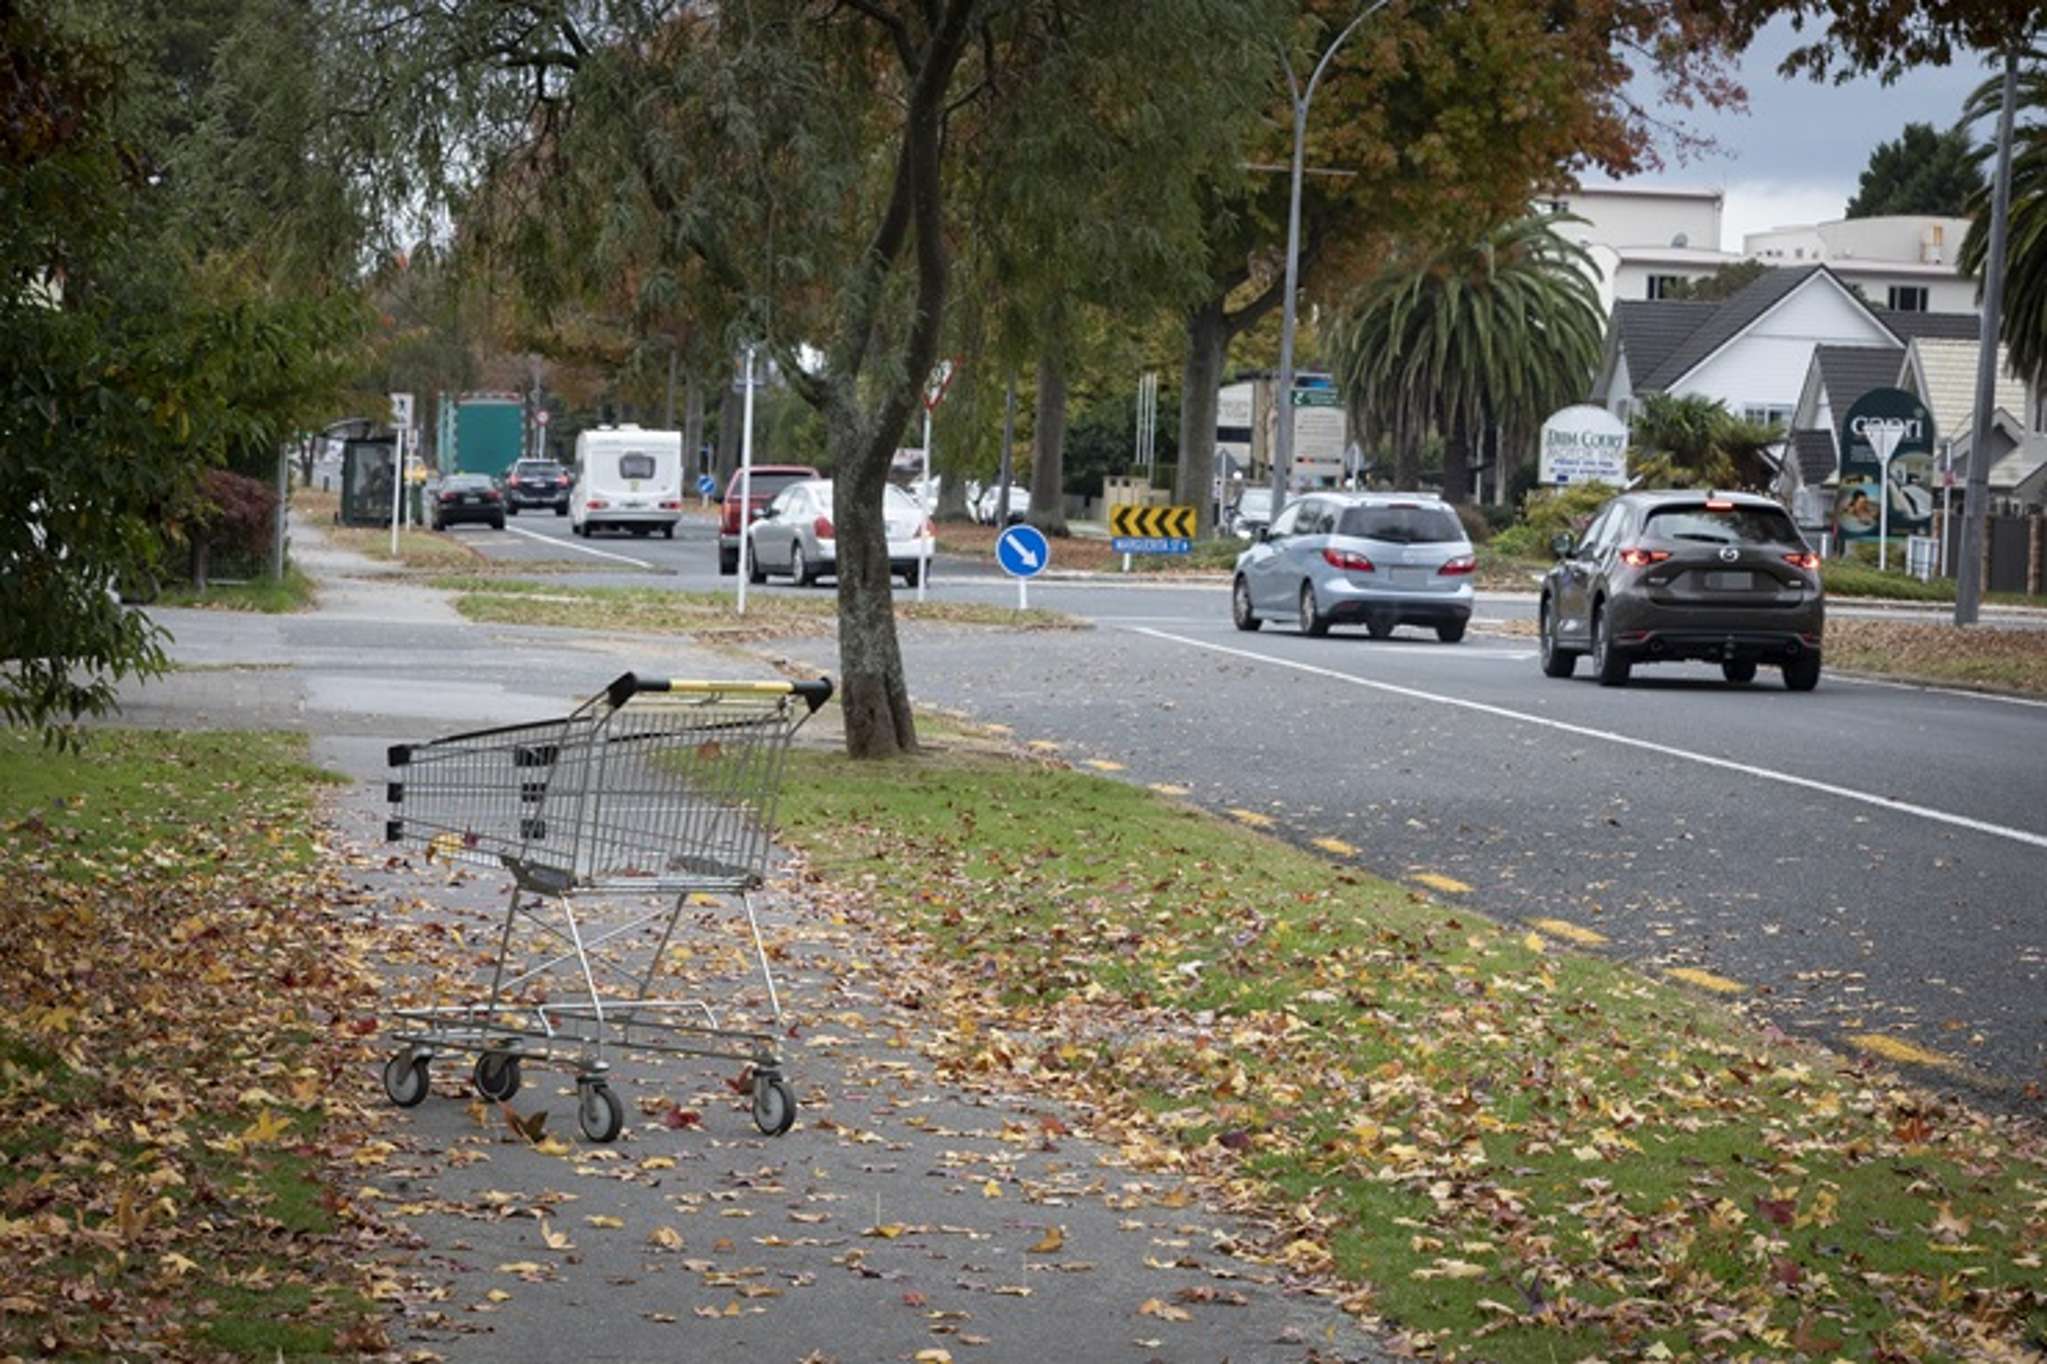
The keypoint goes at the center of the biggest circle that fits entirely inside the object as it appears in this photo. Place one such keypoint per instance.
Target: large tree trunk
(692, 421)
(1200, 377)
(1457, 460)
(874, 697)
(730, 415)
(1048, 449)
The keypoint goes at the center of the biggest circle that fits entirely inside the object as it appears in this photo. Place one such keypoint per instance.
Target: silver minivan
(1380, 560)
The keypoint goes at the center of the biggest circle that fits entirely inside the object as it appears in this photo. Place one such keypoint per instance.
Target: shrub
(1545, 511)
(238, 513)
(1477, 528)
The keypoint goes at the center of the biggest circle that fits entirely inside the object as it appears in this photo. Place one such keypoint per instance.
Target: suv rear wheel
(1802, 673)
(1608, 664)
(1739, 671)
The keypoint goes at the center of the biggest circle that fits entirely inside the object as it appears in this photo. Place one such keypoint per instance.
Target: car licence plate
(1410, 577)
(1730, 582)
(469, 497)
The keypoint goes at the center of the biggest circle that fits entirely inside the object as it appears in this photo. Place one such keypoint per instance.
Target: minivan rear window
(1738, 525)
(635, 466)
(1411, 525)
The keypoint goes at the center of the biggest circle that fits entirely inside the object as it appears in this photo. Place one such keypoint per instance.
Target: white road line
(580, 549)
(1853, 680)
(2031, 840)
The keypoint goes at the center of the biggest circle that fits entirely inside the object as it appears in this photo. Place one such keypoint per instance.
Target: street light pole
(1283, 444)
(1976, 502)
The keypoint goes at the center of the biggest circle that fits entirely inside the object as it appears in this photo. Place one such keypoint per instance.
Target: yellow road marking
(1252, 818)
(1104, 765)
(1570, 932)
(1335, 845)
(1898, 1050)
(1449, 885)
(1706, 980)
(1166, 788)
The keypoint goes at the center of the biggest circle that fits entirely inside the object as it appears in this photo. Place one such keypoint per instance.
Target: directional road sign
(706, 485)
(1316, 397)
(1023, 551)
(1151, 530)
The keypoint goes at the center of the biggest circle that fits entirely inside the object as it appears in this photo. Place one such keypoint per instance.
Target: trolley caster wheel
(601, 1114)
(405, 1079)
(497, 1076)
(774, 1104)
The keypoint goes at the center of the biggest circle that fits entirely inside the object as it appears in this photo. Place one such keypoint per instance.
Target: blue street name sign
(1139, 544)
(1023, 551)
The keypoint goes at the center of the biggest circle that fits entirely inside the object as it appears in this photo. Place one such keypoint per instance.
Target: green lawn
(294, 592)
(1512, 1152)
(709, 615)
(174, 982)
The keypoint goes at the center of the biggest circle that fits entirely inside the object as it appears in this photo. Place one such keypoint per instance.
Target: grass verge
(705, 615)
(272, 597)
(416, 548)
(1511, 1152)
(1983, 656)
(165, 1055)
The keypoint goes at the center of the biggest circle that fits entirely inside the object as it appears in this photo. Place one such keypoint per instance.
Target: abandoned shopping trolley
(651, 787)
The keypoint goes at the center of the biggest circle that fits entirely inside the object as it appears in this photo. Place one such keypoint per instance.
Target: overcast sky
(1796, 154)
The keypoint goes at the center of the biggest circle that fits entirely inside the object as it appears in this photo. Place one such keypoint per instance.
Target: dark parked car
(1663, 576)
(468, 497)
(537, 483)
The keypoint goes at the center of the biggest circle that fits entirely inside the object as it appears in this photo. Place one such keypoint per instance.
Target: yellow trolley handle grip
(814, 693)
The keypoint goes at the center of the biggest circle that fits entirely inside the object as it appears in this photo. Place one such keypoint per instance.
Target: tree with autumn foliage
(1433, 117)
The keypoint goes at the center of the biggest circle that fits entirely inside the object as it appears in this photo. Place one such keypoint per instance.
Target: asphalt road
(1867, 863)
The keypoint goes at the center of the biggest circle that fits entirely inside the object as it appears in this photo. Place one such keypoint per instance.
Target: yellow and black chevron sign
(1152, 523)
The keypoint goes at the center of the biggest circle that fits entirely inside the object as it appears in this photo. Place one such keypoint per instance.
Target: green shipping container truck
(481, 433)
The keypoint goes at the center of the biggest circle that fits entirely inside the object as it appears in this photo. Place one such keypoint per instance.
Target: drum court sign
(1584, 444)
(1887, 477)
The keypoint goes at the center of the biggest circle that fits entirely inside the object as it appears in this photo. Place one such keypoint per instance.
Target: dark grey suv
(1663, 576)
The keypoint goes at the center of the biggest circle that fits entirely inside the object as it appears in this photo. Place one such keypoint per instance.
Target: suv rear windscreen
(1702, 525)
(1412, 525)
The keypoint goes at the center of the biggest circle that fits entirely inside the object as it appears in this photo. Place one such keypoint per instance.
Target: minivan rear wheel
(1240, 607)
(1313, 622)
(1609, 665)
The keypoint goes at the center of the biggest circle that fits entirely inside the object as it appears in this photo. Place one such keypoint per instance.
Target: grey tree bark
(1048, 447)
(1201, 375)
(729, 418)
(692, 419)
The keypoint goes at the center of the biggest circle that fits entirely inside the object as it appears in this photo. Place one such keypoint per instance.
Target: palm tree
(1496, 332)
(2024, 324)
(1695, 442)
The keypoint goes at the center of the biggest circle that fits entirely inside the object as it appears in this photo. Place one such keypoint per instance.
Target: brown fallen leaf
(1053, 1241)
(1163, 1310)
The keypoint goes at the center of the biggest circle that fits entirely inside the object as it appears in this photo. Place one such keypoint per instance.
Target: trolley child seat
(651, 787)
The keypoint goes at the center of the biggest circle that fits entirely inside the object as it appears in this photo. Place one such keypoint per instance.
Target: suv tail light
(1462, 564)
(822, 528)
(1808, 561)
(1642, 558)
(1347, 560)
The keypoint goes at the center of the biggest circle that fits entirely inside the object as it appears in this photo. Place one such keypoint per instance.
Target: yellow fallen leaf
(887, 1231)
(602, 1220)
(551, 1146)
(1052, 1242)
(178, 1265)
(1163, 1310)
(991, 1190)
(498, 1295)
(519, 1267)
(268, 1127)
(668, 1238)
(554, 1240)
(934, 1355)
(1535, 942)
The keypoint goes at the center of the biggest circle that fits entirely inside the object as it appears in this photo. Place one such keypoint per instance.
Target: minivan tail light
(1463, 563)
(1642, 558)
(1347, 560)
(1808, 561)
(822, 528)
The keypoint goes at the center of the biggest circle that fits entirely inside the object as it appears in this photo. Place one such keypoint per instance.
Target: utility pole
(1283, 446)
(1976, 502)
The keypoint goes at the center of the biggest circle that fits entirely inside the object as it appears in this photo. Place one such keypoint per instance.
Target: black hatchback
(1666, 576)
(468, 497)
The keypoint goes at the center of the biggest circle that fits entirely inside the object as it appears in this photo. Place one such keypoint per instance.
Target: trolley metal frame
(653, 786)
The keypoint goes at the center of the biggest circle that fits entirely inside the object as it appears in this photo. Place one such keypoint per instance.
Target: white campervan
(627, 479)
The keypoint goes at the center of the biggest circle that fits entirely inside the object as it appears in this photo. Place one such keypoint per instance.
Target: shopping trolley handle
(815, 692)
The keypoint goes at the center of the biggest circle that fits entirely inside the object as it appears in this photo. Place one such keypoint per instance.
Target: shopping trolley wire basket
(654, 786)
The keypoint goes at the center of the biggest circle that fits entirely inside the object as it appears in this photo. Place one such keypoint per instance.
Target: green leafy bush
(1545, 511)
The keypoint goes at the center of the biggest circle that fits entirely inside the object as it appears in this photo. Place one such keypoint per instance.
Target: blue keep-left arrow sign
(1023, 551)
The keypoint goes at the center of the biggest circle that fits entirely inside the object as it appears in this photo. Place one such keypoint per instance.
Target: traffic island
(177, 990)
(1503, 1149)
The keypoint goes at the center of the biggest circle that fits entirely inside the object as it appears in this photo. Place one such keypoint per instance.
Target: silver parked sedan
(1380, 560)
(795, 535)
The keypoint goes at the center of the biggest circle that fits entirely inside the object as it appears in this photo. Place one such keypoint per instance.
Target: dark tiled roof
(1814, 451)
(1851, 371)
(1728, 320)
(1652, 328)
(1941, 326)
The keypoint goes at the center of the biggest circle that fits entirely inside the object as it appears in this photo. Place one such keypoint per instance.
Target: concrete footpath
(901, 1218)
